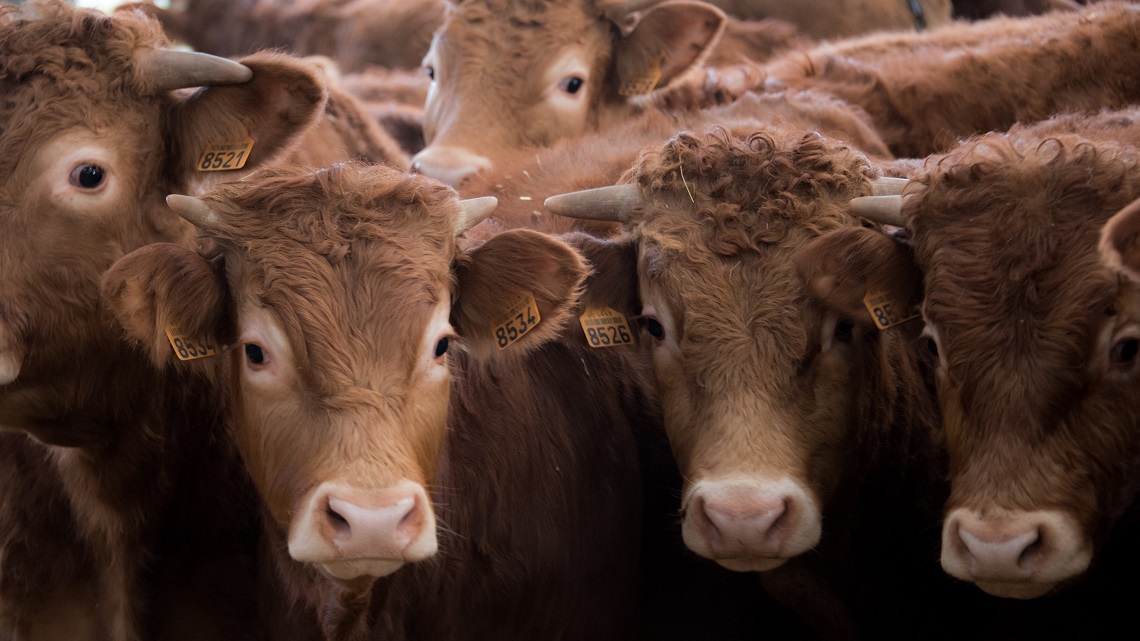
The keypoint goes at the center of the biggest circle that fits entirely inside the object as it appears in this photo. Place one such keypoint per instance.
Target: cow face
(523, 73)
(1037, 347)
(91, 138)
(757, 380)
(334, 298)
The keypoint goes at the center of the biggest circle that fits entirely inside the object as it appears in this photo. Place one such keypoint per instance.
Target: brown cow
(807, 442)
(393, 413)
(836, 19)
(1037, 346)
(108, 510)
(356, 33)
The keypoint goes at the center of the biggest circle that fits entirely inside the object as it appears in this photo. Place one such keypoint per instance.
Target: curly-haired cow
(112, 523)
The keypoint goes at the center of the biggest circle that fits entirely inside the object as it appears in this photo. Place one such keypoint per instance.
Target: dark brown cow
(807, 441)
(109, 514)
(1037, 346)
(927, 91)
(356, 33)
(364, 372)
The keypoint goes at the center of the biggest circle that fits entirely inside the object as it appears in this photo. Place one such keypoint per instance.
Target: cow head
(1037, 345)
(98, 123)
(334, 299)
(524, 73)
(758, 381)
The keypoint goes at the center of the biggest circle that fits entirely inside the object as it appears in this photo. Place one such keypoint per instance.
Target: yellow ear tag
(225, 156)
(885, 311)
(189, 349)
(521, 318)
(643, 84)
(605, 327)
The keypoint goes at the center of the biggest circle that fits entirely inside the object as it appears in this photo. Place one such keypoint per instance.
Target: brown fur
(837, 19)
(109, 506)
(981, 9)
(536, 492)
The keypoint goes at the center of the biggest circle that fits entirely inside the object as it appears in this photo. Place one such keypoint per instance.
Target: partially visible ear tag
(189, 349)
(643, 84)
(885, 310)
(605, 327)
(225, 156)
(521, 318)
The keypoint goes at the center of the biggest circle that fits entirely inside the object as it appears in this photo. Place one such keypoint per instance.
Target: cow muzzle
(451, 165)
(352, 533)
(1013, 554)
(750, 525)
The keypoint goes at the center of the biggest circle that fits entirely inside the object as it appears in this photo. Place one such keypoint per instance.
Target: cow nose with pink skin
(1021, 555)
(750, 526)
(451, 165)
(353, 532)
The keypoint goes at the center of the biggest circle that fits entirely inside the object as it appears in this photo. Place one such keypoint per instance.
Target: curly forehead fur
(52, 64)
(740, 193)
(335, 248)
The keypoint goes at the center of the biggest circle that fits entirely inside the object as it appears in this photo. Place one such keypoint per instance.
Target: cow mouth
(360, 568)
(752, 564)
(1015, 589)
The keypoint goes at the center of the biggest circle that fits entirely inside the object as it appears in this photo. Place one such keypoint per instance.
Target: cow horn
(193, 210)
(169, 69)
(888, 186)
(881, 209)
(474, 211)
(604, 203)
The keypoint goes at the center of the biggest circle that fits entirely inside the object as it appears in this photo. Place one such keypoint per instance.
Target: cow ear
(162, 287)
(668, 40)
(613, 273)
(516, 292)
(1120, 241)
(845, 268)
(217, 130)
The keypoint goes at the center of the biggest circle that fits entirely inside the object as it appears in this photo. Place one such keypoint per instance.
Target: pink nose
(451, 165)
(750, 526)
(355, 532)
(1014, 554)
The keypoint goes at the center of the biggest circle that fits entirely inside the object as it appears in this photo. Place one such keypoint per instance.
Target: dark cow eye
(87, 176)
(441, 347)
(844, 330)
(1124, 351)
(255, 354)
(431, 72)
(571, 85)
(655, 329)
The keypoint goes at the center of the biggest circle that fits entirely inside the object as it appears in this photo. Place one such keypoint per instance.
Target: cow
(357, 34)
(808, 442)
(426, 465)
(838, 19)
(1036, 341)
(110, 516)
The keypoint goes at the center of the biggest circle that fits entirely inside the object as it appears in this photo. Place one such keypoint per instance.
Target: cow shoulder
(842, 268)
(500, 276)
(667, 41)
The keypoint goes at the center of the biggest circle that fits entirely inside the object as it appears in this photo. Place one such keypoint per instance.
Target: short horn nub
(168, 69)
(604, 203)
(193, 210)
(888, 186)
(881, 209)
(475, 210)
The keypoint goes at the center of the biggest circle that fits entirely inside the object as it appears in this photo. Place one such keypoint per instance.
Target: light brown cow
(395, 408)
(806, 439)
(1037, 343)
(99, 121)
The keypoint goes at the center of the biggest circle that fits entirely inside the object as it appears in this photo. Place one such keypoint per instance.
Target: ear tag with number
(187, 348)
(521, 318)
(887, 312)
(605, 327)
(225, 156)
(643, 84)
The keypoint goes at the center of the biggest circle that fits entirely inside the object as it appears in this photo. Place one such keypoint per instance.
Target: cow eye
(1124, 352)
(255, 355)
(431, 72)
(441, 347)
(655, 329)
(87, 176)
(571, 84)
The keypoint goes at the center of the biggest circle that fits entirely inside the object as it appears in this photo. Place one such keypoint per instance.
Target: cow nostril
(339, 523)
(1032, 549)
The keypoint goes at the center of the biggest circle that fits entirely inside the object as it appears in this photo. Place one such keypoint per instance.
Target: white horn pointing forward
(888, 186)
(604, 203)
(881, 209)
(169, 69)
(193, 210)
(474, 211)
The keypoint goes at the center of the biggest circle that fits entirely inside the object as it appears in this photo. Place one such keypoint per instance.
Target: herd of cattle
(569, 320)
